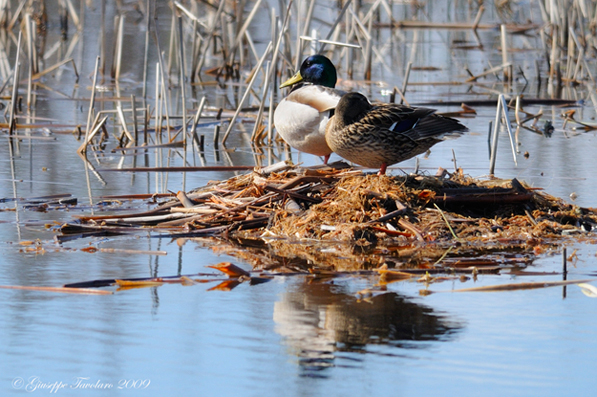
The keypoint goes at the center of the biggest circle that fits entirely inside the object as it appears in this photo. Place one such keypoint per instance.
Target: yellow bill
(297, 78)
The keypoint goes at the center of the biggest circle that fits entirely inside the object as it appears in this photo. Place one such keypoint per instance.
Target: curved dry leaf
(230, 269)
(588, 289)
(426, 195)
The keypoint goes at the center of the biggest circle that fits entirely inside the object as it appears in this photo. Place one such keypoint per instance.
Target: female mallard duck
(302, 116)
(382, 134)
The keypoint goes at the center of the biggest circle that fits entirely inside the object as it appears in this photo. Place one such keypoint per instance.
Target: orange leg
(382, 169)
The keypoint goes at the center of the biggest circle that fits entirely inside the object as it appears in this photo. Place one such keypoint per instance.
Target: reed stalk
(246, 94)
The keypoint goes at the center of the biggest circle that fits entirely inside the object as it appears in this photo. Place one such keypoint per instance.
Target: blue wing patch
(404, 125)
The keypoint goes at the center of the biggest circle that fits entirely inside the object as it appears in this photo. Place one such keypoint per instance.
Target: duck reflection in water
(318, 320)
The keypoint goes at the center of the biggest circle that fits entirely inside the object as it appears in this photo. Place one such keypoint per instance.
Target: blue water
(292, 337)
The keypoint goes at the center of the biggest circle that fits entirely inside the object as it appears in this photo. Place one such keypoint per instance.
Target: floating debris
(65, 290)
(587, 289)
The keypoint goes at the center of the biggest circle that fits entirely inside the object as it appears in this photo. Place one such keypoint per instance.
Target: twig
(59, 289)
(489, 71)
(246, 94)
(507, 74)
(446, 220)
(15, 87)
(130, 251)
(180, 169)
(405, 81)
(335, 24)
(56, 66)
(83, 147)
(441, 258)
(519, 286)
(478, 18)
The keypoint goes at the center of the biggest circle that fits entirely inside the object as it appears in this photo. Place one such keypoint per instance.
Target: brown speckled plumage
(382, 134)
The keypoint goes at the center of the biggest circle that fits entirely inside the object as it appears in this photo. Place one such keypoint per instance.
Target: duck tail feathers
(438, 127)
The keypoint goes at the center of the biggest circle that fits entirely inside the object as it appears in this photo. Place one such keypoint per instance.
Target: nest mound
(345, 219)
(431, 208)
(414, 219)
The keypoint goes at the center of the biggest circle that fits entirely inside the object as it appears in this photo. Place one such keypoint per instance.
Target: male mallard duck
(302, 116)
(382, 134)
